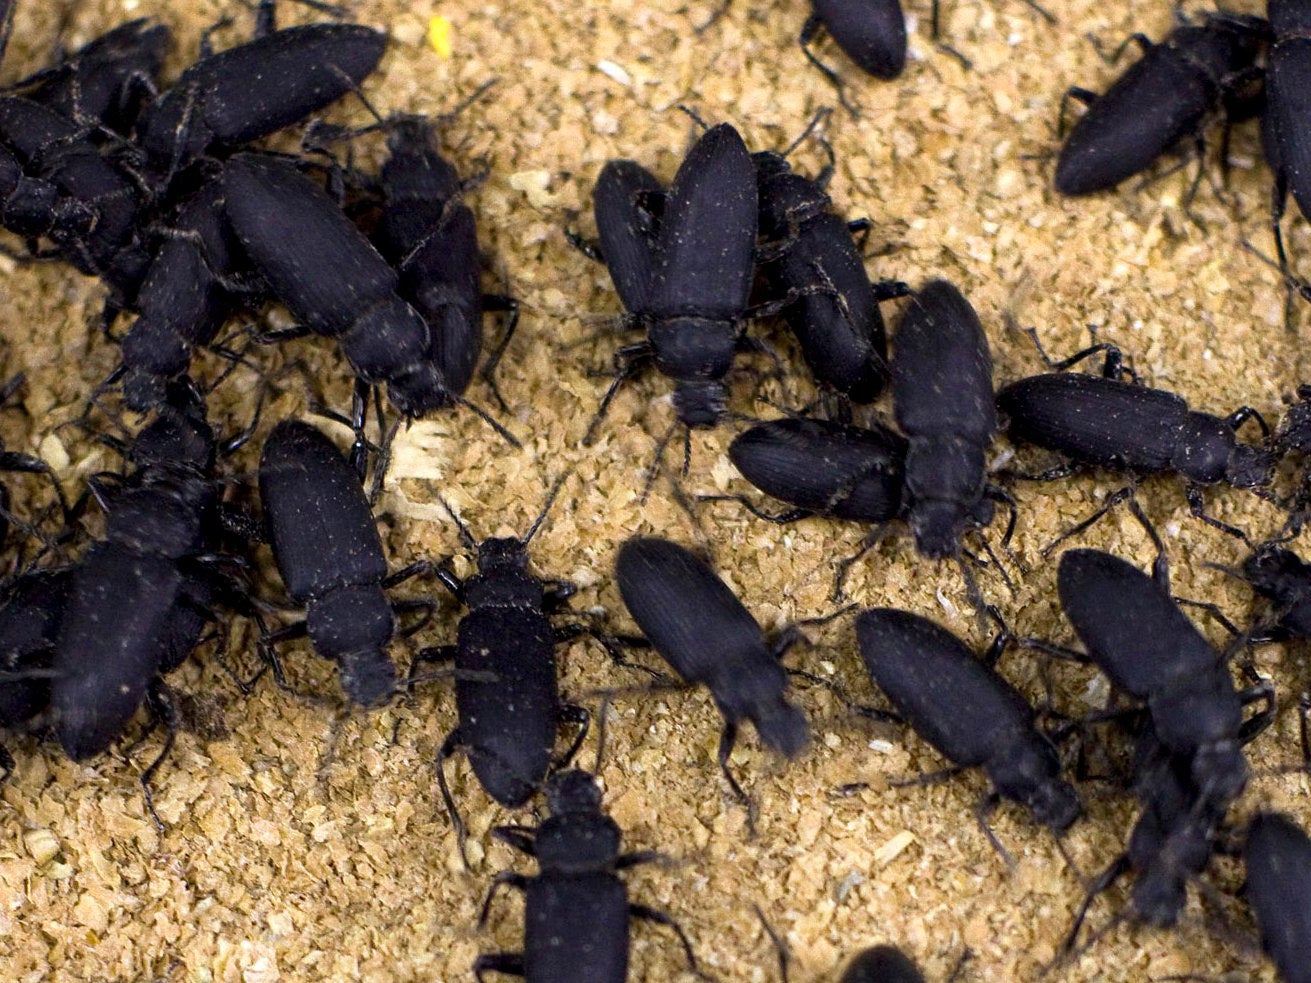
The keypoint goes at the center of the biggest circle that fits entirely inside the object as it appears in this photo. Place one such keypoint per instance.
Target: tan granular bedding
(303, 844)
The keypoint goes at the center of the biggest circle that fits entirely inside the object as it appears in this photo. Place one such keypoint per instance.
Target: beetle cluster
(160, 191)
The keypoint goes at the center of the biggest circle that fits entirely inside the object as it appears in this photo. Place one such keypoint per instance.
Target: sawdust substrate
(302, 844)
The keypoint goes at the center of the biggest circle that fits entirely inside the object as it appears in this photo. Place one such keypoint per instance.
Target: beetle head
(1220, 771)
(937, 526)
(700, 403)
(1159, 896)
(1249, 467)
(501, 552)
(572, 791)
(1271, 568)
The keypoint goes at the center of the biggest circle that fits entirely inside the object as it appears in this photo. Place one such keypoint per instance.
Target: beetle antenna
(487, 418)
(465, 537)
(821, 114)
(550, 500)
(780, 944)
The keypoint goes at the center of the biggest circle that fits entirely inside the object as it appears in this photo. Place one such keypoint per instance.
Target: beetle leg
(160, 700)
(1303, 708)
(982, 811)
(408, 604)
(591, 248)
(556, 592)
(868, 712)
(1118, 497)
(860, 228)
(505, 963)
(870, 542)
(1197, 506)
(1085, 96)
(629, 360)
(782, 518)
(1254, 725)
(1041, 11)
(449, 747)
(1118, 867)
(661, 918)
(720, 10)
(521, 838)
(574, 714)
(1244, 413)
(506, 878)
(637, 857)
(808, 32)
(727, 739)
(510, 307)
(420, 568)
(1142, 40)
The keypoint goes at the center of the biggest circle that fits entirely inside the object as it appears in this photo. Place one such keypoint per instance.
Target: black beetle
(823, 468)
(427, 232)
(1172, 840)
(336, 283)
(140, 597)
(1133, 630)
(254, 89)
(1287, 109)
(872, 33)
(881, 964)
(194, 283)
(699, 627)
(31, 607)
(1284, 578)
(1107, 422)
(942, 398)
(805, 244)
(1160, 100)
(104, 82)
(328, 550)
(1277, 854)
(576, 909)
(508, 722)
(689, 282)
(960, 705)
(107, 240)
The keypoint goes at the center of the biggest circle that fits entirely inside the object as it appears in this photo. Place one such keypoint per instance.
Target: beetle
(140, 598)
(194, 282)
(1172, 840)
(577, 910)
(1277, 854)
(968, 712)
(328, 551)
(822, 467)
(1283, 124)
(1136, 634)
(427, 232)
(1160, 100)
(52, 148)
(688, 283)
(1284, 578)
(689, 615)
(1108, 422)
(508, 721)
(942, 400)
(336, 284)
(872, 33)
(882, 964)
(104, 82)
(230, 98)
(31, 607)
(805, 244)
